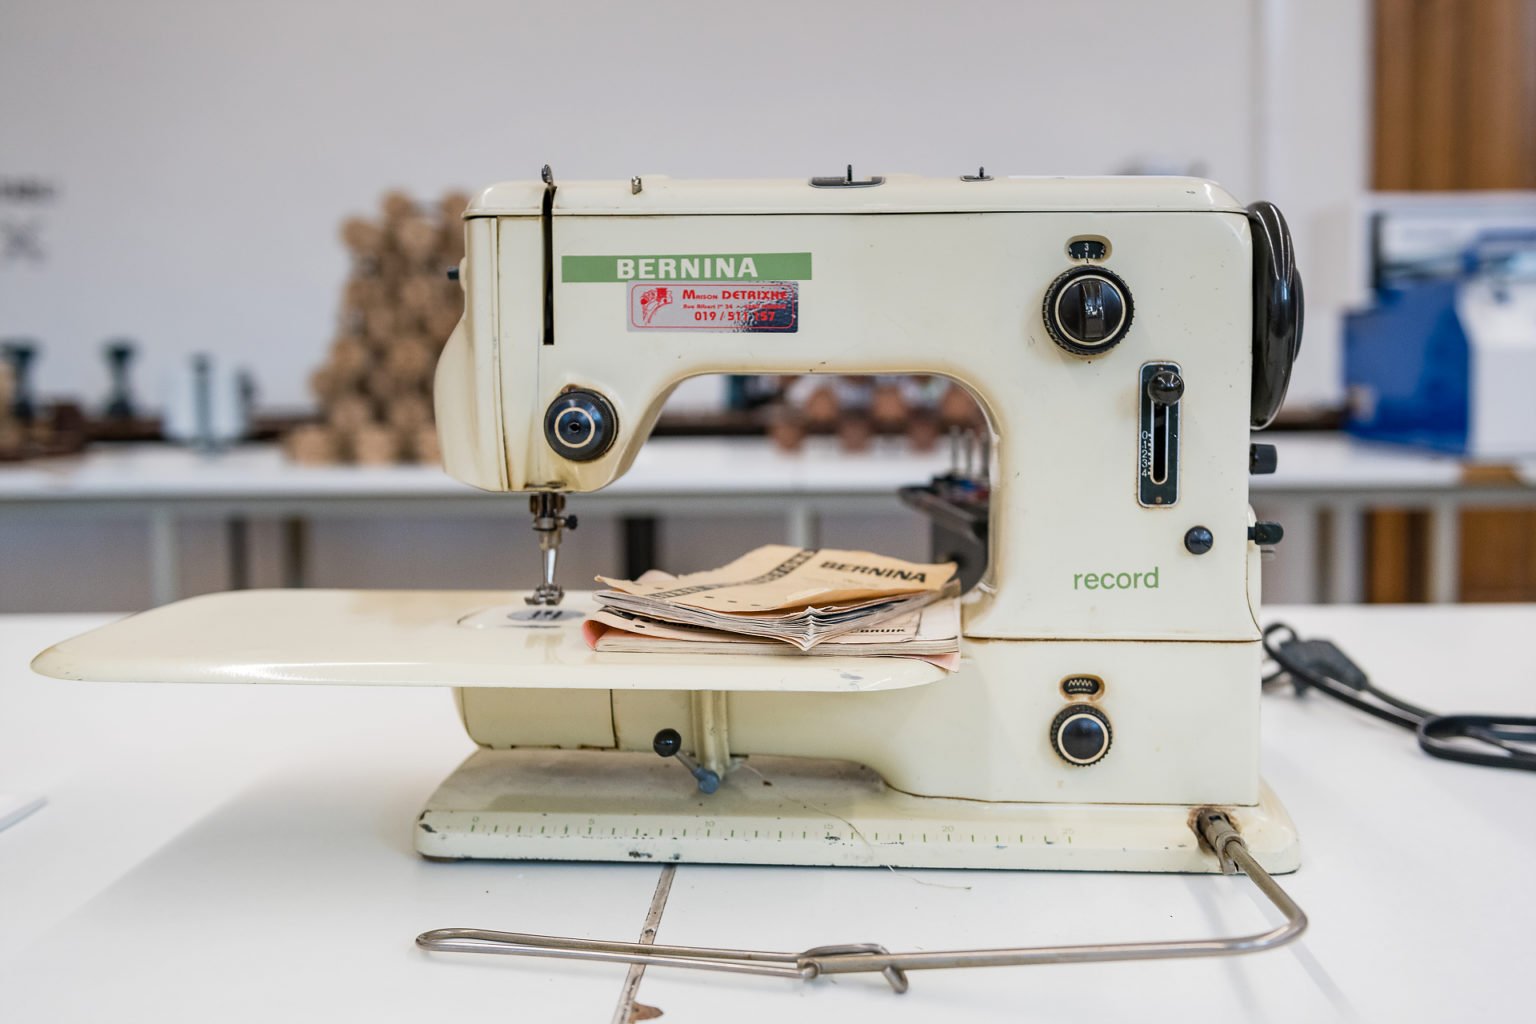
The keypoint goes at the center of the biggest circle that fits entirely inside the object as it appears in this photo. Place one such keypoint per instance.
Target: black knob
(1088, 310)
(1266, 535)
(667, 743)
(580, 425)
(1080, 734)
(1262, 459)
(1198, 540)
(1166, 387)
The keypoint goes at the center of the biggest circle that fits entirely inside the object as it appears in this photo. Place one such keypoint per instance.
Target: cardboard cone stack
(918, 408)
(10, 429)
(398, 308)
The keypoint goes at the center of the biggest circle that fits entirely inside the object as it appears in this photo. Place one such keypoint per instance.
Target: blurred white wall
(204, 153)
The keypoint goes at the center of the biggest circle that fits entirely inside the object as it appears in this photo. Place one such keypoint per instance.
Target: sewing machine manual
(816, 602)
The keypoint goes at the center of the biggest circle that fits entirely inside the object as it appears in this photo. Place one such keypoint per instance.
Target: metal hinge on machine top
(1218, 835)
(847, 180)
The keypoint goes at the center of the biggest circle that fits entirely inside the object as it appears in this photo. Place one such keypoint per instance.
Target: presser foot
(602, 805)
(546, 595)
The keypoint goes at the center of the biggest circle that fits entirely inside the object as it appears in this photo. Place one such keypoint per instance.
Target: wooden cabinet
(1454, 108)
(1455, 94)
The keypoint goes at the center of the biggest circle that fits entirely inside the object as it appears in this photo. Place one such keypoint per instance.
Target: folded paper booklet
(778, 577)
(785, 595)
(932, 633)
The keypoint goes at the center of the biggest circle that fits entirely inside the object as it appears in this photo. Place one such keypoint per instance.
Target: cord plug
(1320, 658)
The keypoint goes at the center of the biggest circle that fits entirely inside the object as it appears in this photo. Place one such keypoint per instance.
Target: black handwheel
(1277, 311)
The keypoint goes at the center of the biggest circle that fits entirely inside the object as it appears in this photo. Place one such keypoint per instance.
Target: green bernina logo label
(729, 266)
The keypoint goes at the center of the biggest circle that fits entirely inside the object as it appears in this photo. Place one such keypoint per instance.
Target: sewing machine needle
(549, 519)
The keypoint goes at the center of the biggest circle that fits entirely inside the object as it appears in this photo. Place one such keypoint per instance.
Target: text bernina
(666, 268)
(870, 570)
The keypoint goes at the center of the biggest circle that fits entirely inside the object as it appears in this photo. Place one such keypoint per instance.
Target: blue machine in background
(1406, 368)
(1446, 358)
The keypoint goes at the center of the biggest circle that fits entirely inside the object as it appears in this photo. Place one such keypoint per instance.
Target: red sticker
(728, 307)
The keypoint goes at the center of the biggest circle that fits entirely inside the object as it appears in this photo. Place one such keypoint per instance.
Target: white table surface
(243, 854)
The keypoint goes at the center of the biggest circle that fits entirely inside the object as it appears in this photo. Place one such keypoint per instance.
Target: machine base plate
(603, 805)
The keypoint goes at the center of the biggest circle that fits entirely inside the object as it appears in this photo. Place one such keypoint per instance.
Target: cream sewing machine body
(1122, 334)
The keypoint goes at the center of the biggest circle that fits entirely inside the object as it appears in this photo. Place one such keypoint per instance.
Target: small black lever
(1262, 459)
(669, 743)
(1266, 534)
(1166, 387)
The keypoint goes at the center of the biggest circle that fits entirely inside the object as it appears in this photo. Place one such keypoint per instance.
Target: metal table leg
(237, 541)
(803, 528)
(1346, 547)
(1444, 551)
(295, 552)
(164, 556)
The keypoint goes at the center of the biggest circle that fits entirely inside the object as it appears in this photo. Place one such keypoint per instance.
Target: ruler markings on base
(663, 838)
(644, 832)
(662, 830)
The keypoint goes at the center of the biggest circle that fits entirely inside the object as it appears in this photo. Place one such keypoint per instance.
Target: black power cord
(1496, 741)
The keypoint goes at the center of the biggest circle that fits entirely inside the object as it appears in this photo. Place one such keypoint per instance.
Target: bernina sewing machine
(1123, 335)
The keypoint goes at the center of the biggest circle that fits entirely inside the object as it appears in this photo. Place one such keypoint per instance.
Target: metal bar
(740, 961)
(295, 552)
(711, 730)
(802, 526)
(164, 556)
(1444, 551)
(624, 1012)
(1346, 552)
(1215, 829)
(640, 548)
(238, 541)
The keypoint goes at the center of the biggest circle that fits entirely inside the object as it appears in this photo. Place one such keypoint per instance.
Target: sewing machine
(1123, 336)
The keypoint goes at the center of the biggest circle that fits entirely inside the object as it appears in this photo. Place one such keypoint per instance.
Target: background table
(243, 854)
(720, 477)
(1323, 487)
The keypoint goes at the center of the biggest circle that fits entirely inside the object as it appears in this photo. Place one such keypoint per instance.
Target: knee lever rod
(1214, 828)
